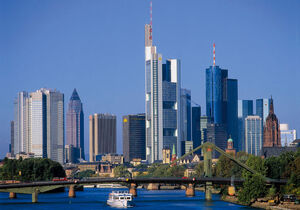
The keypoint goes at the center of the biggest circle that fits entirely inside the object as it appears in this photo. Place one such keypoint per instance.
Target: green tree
(121, 171)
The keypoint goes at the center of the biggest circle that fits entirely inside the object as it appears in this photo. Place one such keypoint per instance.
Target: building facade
(287, 135)
(262, 108)
(186, 115)
(253, 135)
(134, 137)
(75, 126)
(245, 109)
(196, 133)
(271, 134)
(39, 124)
(103, 138)
(217, 134)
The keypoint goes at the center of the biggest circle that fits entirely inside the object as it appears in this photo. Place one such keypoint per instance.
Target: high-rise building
(75, 126)
(12, 138)
(221, 100)
(262, 108)
(39, 124)
(21, 123)
(216, 133)
(186, 147)
(196, 133)
(253, 135)
(134, 137)
(287, 135)
(162, 105)
(216, 86)
(204, 122)
(55, 125)
(245, 109)
(232, 110)
(102, 135)
(271, 132)
(186, 123)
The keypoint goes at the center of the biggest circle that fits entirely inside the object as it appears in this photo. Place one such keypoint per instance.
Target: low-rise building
(113, 158)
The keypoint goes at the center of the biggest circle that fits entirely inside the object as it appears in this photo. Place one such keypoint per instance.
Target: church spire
(271, 106)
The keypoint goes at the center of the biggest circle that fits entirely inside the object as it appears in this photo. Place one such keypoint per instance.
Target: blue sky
(98, 47)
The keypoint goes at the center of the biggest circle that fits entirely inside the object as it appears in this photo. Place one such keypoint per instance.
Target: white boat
(120, 199)
(110, 186)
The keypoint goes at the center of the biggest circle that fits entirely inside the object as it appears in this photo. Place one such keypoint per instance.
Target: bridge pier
(153, 186)
(12, 195)
(72, 191)
(208, 189)
(132, 189)
(35, 196)
(190, 190)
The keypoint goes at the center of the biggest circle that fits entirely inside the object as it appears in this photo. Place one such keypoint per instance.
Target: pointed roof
(74, 96)
(173, 151)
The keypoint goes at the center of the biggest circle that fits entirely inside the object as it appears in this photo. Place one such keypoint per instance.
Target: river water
(94, 198)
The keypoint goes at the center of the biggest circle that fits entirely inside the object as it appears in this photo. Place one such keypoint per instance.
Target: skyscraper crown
(75, 95)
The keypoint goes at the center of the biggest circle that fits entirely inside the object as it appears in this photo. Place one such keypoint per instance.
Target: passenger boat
(120, 199)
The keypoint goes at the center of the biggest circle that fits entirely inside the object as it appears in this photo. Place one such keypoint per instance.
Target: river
(94, 198)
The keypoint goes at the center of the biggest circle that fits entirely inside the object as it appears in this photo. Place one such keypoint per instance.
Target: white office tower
(43, 124)
(253, 135)
(287, 135)
(20, 123)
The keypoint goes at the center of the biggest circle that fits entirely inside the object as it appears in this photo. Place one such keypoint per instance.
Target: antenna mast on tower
(214, 54)
(150, 35)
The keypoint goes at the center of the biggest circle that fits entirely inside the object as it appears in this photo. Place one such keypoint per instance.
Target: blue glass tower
(245, 109)
(232, 110)
(196, 133)
(216, 84)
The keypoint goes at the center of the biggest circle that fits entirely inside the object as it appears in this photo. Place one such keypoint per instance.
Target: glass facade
(253, 135)
(216, 84)
(245, 109)
(196, 133)
(262, 108)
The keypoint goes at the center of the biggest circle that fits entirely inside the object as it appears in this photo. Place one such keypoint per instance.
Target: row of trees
(32, 169)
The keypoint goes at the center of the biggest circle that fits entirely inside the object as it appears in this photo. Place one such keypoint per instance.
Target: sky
(97, 47)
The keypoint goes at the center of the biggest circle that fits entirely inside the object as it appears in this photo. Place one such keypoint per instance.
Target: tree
(121, 171)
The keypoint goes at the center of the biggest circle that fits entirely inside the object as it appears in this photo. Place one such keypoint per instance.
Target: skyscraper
(39, 118)
(102, 135)
(232, 110)
(287, 135)
(186, 115)
(21, 123)
(271, 129)
(217, 133)
(162, 105)
(12, 138)
(245, 109)
(134, 139)
(262, 108)
(196, 133)
(75, 126)
(253, 135)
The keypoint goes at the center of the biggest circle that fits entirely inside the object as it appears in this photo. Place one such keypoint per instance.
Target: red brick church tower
(271, 129)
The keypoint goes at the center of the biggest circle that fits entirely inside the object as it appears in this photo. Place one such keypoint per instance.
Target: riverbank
(263, 205)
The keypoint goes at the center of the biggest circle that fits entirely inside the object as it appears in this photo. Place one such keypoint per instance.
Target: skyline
(51, 57)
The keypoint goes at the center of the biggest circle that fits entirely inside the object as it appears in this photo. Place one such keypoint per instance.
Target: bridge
(35, 188)
(207, 180)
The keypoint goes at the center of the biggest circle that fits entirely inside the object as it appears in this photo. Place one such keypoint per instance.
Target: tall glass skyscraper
(232, 110)
(196, 133)
(216, 87)
(245, 109)
(186, 115)
(75, 127)
(253, 135)
(262, 108)
(163, 104)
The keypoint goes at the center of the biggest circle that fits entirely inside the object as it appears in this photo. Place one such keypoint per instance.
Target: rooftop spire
(75, 95)
(271, 106)
(214, 51)
(150, 34)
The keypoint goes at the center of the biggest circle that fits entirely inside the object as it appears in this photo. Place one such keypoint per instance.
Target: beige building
(113, 158)
(166, 156)
(103, 135)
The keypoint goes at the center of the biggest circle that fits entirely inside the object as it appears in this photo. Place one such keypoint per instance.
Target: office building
(186, 147)
(253, 135)
(271, 134)
(134, 137)
(217, 134)
(12, 138)
(75, 126)
(262, 108)
(102, 135)
(232, 110)
(196, 133)
(245, 109)
(162, 101)
(39, 124)
(204, 122)
(287, 135)
(186, 122)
